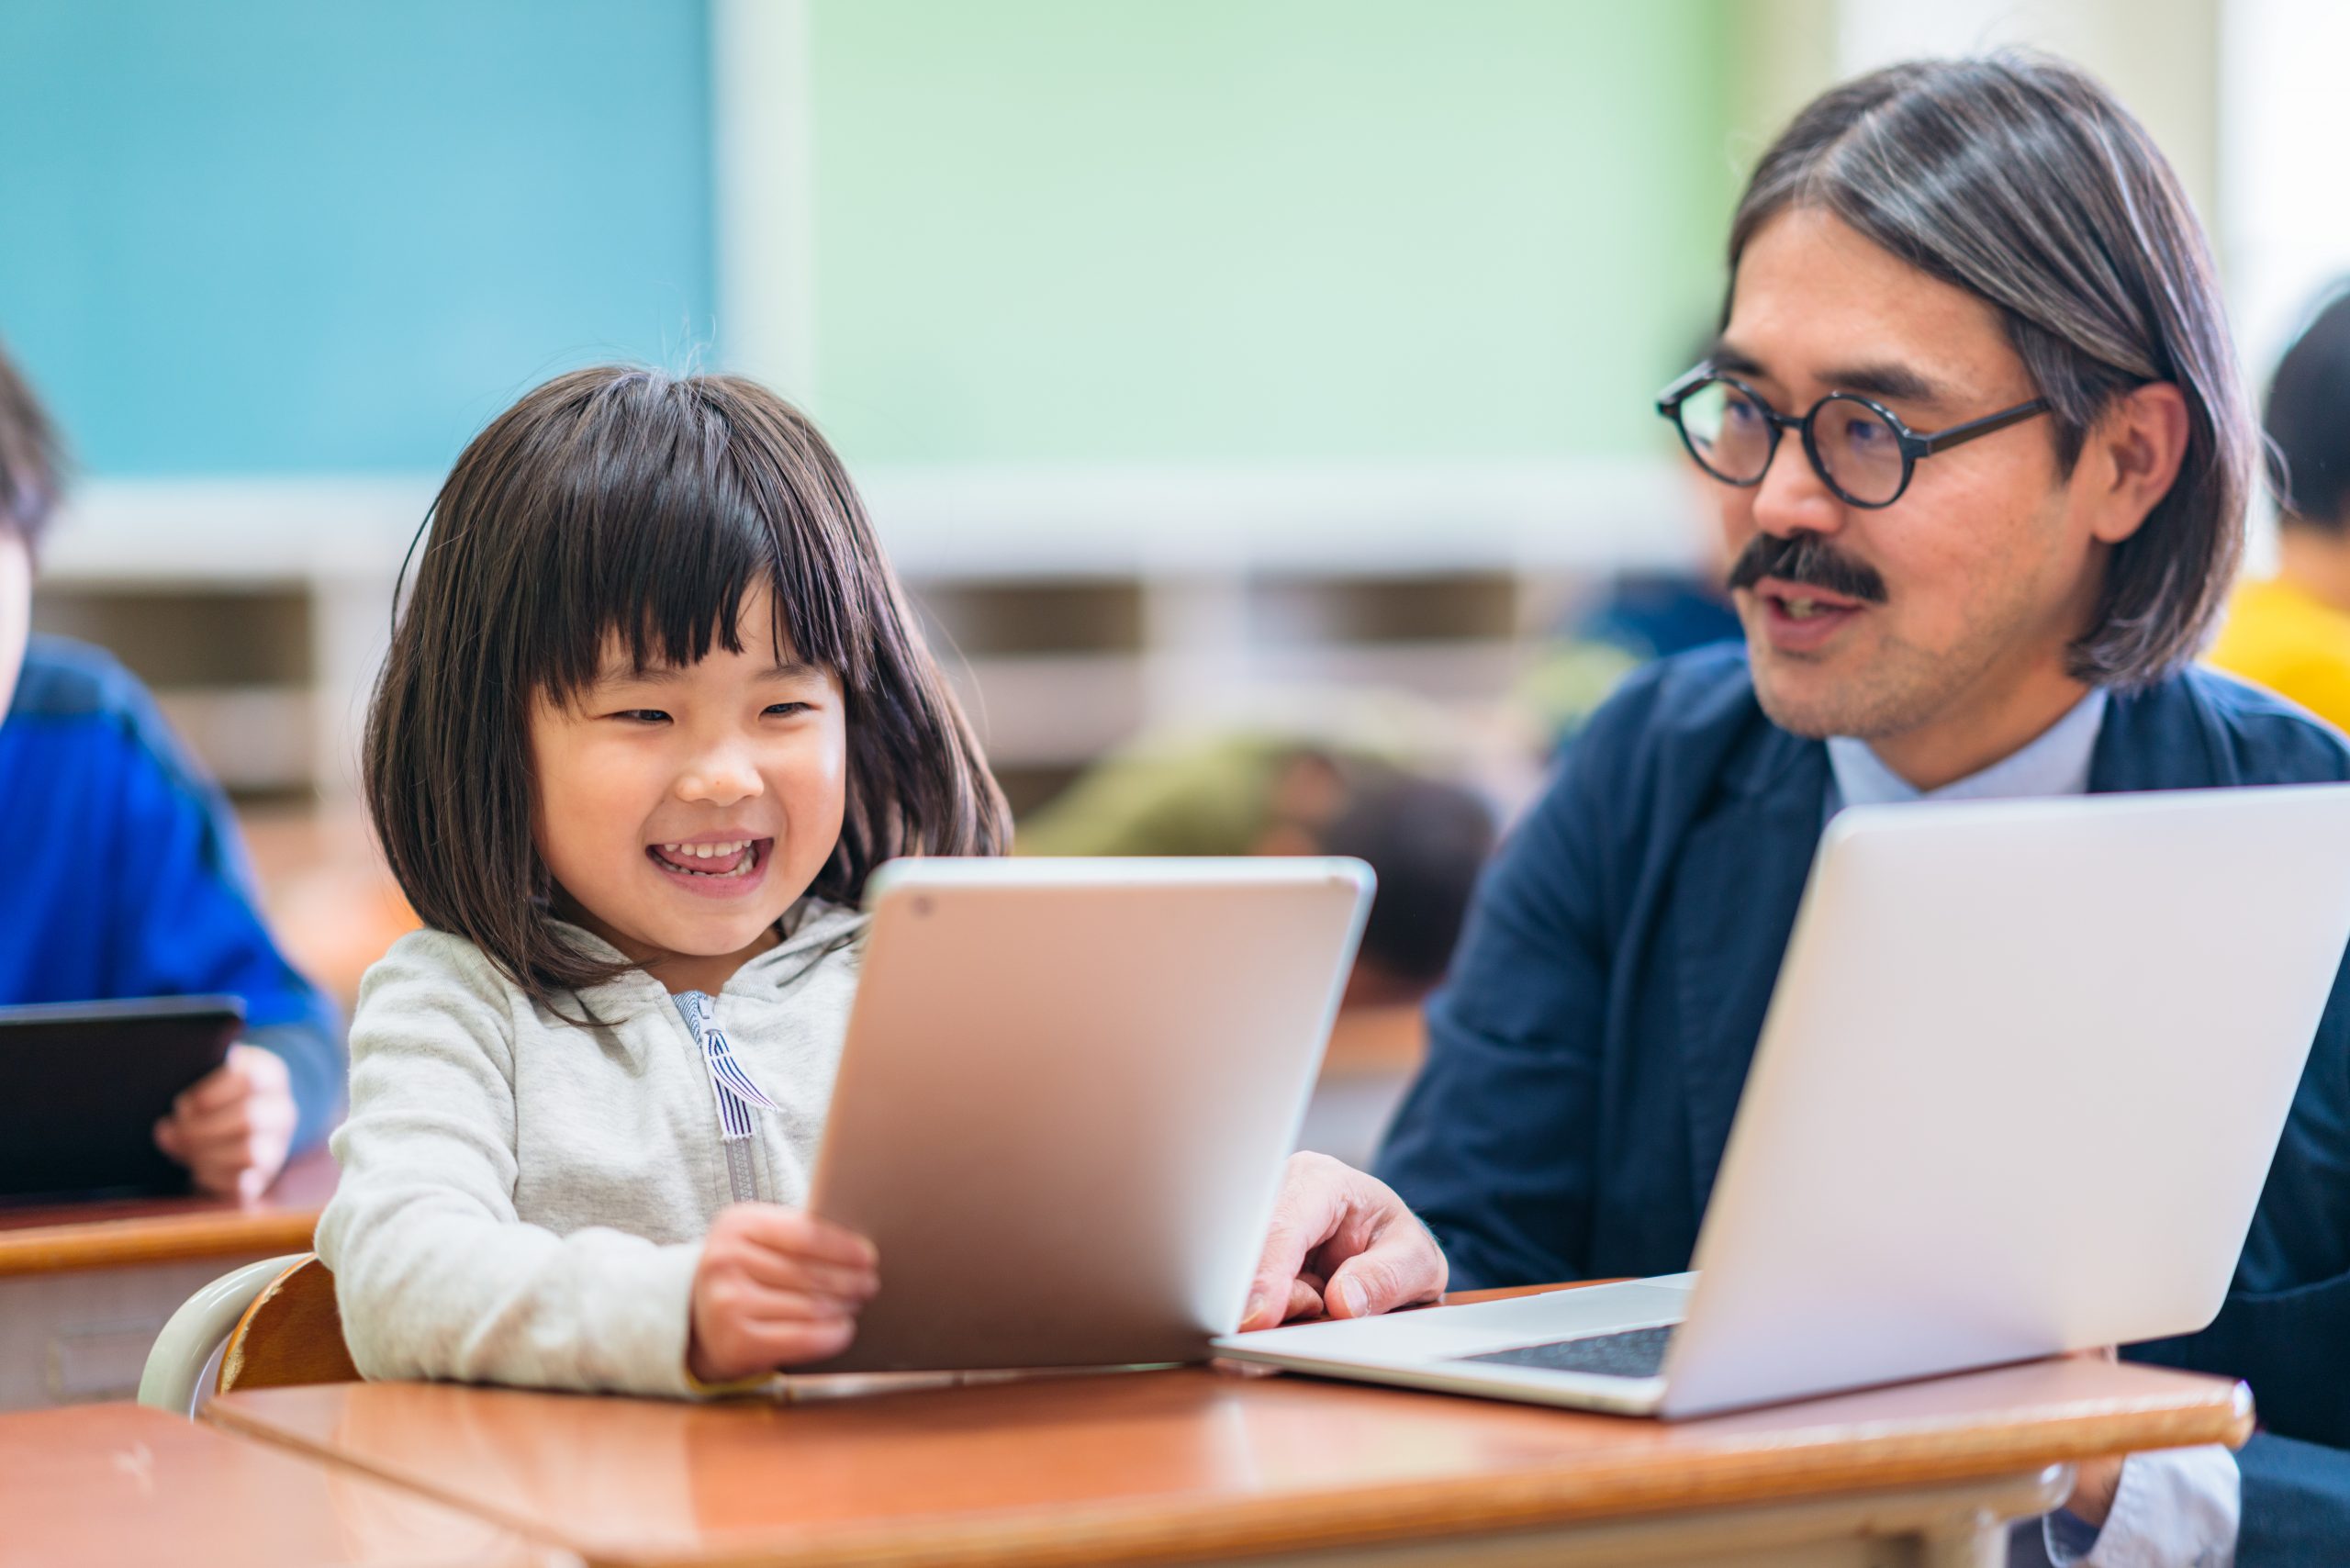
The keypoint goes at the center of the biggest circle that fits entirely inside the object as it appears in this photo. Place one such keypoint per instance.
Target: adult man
(124, 873)
(1989, 250)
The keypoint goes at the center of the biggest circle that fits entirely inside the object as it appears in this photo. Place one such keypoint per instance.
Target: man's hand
(774, 1287)
(1342, 1243)
(232, 1128)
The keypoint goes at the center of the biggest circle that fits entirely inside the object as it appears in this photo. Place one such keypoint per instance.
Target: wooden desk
(120, 1484)
(1196, 1465)
(85, 1287)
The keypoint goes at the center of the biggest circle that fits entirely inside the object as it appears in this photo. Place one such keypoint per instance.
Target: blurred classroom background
(1227, 367)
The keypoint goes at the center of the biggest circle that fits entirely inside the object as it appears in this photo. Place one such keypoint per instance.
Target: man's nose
(1792, 497)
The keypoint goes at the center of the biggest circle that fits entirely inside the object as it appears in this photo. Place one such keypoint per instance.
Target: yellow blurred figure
(2280, 635)
(2291, 632)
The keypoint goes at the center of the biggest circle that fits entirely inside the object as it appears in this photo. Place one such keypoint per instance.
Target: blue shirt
(125, 875)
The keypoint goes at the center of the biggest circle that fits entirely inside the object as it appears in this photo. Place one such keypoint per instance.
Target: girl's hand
(231, 1129)
(776, 1287)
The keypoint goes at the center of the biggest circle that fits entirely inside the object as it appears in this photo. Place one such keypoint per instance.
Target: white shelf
(251, 737)
(1050, 711)
(1065, 709)
(977, 522)
(1200, 544)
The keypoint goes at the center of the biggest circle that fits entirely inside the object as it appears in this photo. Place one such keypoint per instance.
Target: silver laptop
(2016, 1093)
(1067, 1094)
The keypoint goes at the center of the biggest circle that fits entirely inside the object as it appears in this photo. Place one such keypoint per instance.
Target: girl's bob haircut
(624, 504)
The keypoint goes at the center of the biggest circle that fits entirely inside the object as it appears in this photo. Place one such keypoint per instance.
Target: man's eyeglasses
(1859, 447)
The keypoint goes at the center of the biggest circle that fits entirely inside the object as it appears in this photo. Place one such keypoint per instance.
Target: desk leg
(1979, 1540)
(70, 1337)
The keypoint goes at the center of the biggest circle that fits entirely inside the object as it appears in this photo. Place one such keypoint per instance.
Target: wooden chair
(269, 1324)
(292, 1334)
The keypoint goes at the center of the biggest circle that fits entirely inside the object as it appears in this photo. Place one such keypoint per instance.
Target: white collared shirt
(2058, 763)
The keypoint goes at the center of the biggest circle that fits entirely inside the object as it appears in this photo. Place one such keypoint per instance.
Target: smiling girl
(654, 711)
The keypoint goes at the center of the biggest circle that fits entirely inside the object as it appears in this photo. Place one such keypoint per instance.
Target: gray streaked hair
(2020, 179)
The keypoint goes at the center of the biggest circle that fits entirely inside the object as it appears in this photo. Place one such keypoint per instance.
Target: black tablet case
(82, 1084)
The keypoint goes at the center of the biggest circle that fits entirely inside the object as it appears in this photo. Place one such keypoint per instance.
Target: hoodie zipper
(734, 1095)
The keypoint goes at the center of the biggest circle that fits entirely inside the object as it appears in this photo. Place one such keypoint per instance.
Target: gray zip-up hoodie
(522, 1199)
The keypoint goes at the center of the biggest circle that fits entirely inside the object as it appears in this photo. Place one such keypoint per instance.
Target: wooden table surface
(1193, 1463)
(61, 1237)
(101, 1485)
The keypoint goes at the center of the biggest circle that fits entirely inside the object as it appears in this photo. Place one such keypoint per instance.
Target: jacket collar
(2164, 736)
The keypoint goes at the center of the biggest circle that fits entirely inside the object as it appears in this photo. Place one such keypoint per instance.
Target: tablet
(81, 1086)
(1066, 1097)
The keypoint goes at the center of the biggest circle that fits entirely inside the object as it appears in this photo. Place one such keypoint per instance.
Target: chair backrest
(291, 1334)
(183, 1361)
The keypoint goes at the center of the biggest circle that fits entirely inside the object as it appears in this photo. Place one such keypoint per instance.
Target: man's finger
(1403, 1267)
(1305, 1216)
(1304, 1301)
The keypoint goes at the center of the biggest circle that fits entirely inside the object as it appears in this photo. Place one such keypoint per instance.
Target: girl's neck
(679, 972)
(686, 972)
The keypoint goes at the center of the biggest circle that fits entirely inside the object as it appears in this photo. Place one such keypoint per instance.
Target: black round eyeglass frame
(1914, 444)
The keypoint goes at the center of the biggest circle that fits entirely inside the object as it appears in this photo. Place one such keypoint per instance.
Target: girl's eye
(643, 715)
(787, 710)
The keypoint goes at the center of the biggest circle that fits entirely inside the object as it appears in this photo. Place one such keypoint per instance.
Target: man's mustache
(1809, 561)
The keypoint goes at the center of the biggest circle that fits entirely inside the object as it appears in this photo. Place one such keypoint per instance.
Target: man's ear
(2132, 456)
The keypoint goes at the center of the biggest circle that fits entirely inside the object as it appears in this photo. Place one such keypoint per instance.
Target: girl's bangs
(658, 546)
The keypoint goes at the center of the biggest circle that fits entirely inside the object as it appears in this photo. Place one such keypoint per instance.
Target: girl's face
(683, 809)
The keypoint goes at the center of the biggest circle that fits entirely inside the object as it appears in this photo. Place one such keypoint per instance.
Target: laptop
(1066, 1096)
(82, 1084)
(2016, 1092)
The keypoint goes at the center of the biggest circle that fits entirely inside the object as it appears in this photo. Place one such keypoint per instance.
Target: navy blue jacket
(125, 876)
(1586, 1056)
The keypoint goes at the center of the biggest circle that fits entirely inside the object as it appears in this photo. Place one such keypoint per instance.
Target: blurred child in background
(1251, 793)
(125, 874)
(2291, 633)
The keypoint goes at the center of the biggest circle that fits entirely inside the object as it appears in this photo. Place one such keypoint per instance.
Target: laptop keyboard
(1635, 1353)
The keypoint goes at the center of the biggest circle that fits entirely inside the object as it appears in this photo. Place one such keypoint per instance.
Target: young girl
(654, 711)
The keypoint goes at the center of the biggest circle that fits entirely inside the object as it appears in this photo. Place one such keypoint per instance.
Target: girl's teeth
(739, 852)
